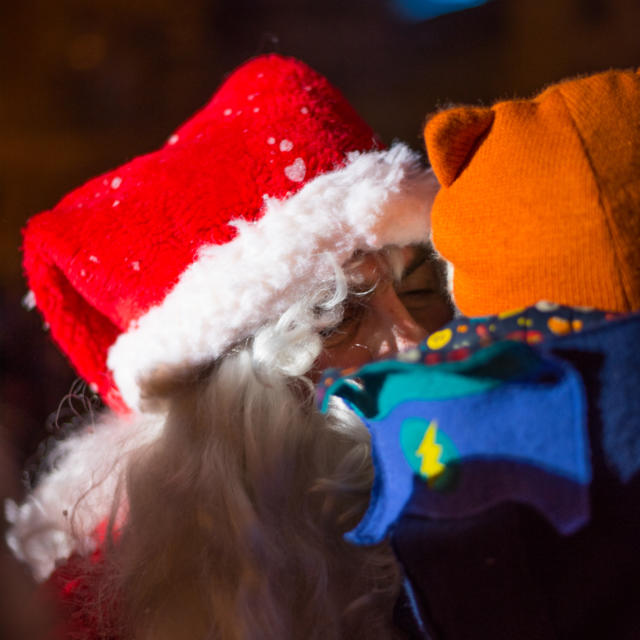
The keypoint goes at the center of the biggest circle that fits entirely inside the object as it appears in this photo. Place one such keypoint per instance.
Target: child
(507, 447)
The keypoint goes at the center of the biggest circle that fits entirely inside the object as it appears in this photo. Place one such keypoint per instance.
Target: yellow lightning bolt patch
(430, 451)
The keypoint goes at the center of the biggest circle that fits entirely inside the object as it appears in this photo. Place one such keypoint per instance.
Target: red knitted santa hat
(178, 254)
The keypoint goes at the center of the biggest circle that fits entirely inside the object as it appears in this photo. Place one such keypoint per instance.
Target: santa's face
(395, 303)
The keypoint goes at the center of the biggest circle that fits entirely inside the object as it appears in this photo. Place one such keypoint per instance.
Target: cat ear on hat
(452, 136)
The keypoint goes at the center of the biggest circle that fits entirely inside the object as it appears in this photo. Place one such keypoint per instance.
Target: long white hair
(237, 512)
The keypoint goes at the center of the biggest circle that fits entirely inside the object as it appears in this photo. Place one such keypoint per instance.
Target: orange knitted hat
(540, 198)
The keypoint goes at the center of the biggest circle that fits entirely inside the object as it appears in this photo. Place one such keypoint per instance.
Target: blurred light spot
(424, 9)
(86, 51)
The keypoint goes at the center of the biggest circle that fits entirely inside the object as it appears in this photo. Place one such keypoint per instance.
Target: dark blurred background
(88, 85)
